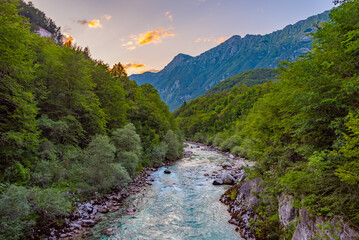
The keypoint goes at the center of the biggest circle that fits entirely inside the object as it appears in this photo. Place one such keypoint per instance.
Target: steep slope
(249, 78)
(186, 77)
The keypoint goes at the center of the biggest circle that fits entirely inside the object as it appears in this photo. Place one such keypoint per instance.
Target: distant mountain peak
(177, 60)
(187, 77)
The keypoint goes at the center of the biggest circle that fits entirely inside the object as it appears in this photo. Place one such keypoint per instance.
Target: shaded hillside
(186, 77)
(249, 78)
(301, 132)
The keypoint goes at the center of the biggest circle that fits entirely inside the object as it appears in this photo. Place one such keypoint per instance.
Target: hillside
(302, 134)
(186, 77)
(249, 78)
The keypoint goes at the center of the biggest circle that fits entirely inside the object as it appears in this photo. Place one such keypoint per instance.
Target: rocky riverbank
(296, 224)
(243, 198)
(89, 213)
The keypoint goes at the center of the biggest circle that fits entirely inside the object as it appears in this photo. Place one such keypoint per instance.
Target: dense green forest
(70, 126)
(302, 132)
(248, 78)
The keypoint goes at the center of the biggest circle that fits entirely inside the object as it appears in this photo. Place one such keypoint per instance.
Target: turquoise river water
(180, 205)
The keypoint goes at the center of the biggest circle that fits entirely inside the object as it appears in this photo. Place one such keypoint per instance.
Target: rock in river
(167, 171)
(217, 181)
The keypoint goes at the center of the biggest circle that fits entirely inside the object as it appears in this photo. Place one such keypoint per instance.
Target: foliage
(302, 131)
(14, 212)
(70, 126)
(174, 146)
(248, 78)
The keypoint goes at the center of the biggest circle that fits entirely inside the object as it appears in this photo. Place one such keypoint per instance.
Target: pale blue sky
(190, 26)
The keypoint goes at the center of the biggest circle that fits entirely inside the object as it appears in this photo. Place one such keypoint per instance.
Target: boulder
(227, 178)
(227, 165)
(217, 181)
(167, 171)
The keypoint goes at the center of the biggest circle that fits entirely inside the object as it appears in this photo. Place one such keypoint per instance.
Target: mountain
(187, 77)
(249, 78)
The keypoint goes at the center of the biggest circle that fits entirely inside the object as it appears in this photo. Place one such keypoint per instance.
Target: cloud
(168, 14)
(107, 17)
(94, 23)
(134, 66)
(153, 36)
(67, 39)
(211, 40)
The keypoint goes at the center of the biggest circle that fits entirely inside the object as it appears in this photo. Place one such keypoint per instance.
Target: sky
(145, 35)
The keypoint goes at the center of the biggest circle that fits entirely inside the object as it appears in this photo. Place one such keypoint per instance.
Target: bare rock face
(286, 212)
(242, 200)
(316, 227)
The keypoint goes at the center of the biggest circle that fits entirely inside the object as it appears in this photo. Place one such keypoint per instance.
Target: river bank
(180, 205)
(94, 219)
(89, 213)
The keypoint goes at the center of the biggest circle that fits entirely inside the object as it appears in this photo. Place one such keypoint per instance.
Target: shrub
(217, 140)
(130, 161)
(200, 137)
(229, 143)
(97, 172)
(126, 139)
(49, 203)
(175, 148)
(47, 172)
(14, 212)
(158, 154)
(120, 176)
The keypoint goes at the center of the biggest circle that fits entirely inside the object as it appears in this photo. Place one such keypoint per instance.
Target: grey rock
(217, 181)
(227, 178)
(308, 228)
(227, 165)
(286, 212)
(88, 223)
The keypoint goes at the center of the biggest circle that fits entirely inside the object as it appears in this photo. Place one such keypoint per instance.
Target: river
(180, 205)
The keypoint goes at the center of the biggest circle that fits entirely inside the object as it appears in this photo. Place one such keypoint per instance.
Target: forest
(301, 131)
(71, 127)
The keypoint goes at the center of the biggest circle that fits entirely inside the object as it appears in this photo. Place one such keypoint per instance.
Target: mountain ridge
(187, 77)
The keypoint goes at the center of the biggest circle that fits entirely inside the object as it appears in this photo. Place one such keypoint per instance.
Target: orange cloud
(168, 14)
(154, 36)
(134, 66)
(94, 23)
(67, 39)
(107, 17)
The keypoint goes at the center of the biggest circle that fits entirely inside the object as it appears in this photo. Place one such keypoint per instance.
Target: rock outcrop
(316, 227)
(241, 201)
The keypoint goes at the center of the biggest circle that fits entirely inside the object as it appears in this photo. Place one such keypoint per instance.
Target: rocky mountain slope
(187, 77)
